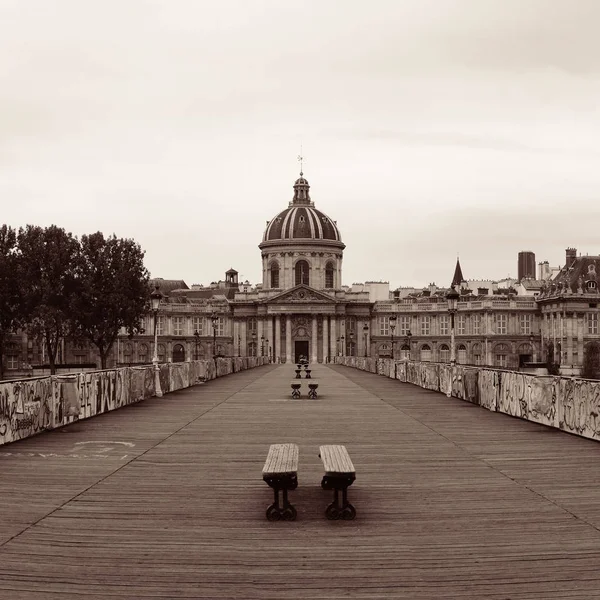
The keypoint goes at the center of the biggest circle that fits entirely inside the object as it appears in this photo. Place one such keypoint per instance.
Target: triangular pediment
(301, 294)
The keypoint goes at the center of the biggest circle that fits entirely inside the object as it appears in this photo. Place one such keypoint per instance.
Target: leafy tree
(114, 290)
(11, 308)
(47, 269)
(591, 361)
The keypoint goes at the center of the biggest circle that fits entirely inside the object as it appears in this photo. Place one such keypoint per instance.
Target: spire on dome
(301, 195)
(458, 276)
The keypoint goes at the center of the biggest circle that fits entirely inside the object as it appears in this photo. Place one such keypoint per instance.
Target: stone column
(325, 338)
(580, 322)
(569, 322)
(270, 337)
(259, 332)
(244, 345)
(288, 338)
(314, 341)
(333, 339)
(277, 344)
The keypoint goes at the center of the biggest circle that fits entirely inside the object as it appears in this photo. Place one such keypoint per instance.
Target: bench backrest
(336, 460)
(282, 458)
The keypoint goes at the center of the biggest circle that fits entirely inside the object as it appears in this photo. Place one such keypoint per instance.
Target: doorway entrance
(300, 349)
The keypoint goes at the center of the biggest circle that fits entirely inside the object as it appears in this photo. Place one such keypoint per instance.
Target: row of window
(460, 324)
(302, 274)
(501, 353)
(186, 326)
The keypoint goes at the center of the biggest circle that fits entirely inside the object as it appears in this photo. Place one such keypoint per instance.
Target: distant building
(526, 265)
(300, 307)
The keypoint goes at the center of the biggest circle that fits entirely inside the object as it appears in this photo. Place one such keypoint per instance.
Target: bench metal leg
(312, 393)
(335, 510)
(295, 392)
(276, 511)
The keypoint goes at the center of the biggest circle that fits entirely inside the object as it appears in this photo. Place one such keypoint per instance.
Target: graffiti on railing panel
(579, 407)
(445, 375)
(28, 407)
(25, 408)
(401, 371)
(471, 385)
(542, 400)
(430, 376)
(488, 383)
(512, 397)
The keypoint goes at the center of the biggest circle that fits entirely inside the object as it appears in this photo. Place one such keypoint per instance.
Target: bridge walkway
(164, 499)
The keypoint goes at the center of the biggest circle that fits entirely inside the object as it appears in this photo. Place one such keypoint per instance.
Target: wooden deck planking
(454, 501)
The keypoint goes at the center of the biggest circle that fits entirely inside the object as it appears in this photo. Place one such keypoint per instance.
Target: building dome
(301, 220)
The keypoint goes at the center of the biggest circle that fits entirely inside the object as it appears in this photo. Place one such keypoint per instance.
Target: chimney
(571, 255)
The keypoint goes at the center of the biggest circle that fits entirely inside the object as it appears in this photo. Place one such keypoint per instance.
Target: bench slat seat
(336, 460)
(339, 476)
(281, 473)
(281, 460)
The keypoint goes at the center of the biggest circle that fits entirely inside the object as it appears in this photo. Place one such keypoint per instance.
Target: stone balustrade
(33, 405)
(569, 404)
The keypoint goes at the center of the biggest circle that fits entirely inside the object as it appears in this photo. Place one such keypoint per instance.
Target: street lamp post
(239, 345)
(392, 329)
(254, 352)
(366, 333)
(532, 347)
(408, 339)
(452, 298)
(343, 346)
(197, 336)
(262, 345)
(155, 298)
(214, 320)
(267, 348)
(351, 344)
(338, 350)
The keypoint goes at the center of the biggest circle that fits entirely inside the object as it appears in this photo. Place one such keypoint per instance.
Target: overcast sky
(430, 128)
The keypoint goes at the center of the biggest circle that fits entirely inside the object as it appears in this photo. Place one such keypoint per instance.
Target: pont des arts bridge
(567, 403)
(30, 406)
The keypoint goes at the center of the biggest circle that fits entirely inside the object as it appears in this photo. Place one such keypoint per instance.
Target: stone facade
(302, 308)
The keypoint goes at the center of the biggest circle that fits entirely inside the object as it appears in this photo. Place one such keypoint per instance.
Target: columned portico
(288, 338)
(325, 338)
(314, 345)
(277, 348)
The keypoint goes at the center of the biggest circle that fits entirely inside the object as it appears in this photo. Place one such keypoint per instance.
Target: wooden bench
(339, 475)
(296, 385)
(312, 389)
(281, 473)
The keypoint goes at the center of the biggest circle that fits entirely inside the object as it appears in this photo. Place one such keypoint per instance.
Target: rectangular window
(12, 361)
(425, 325)
(329, 278)
(476, 324)
(444, 325)
(160, 326)
(501, 320)
(384, 326)
(461, 324)
(501, 360)
(525, 323)
(404, 325)
(592, 319)
(177, 325)
(221, 326)
(198, 325)
(252, 326)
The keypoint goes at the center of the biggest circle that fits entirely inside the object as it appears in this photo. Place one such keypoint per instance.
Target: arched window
(444, 353)
(127, 353)
(425, 353)
(302, 271)
(477, 354)
(274, 275)
(405, 352)
(178, 353)
(161, 353)
(329, 276)
(461, 358)
(501, 355)
(252, 349)
(143, 353)
(591, 285)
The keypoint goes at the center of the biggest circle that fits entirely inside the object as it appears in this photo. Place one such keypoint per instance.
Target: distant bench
(339, 475)
(281, 473)
(313, 385)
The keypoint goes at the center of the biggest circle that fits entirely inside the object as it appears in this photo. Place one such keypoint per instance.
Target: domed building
(301, 309)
